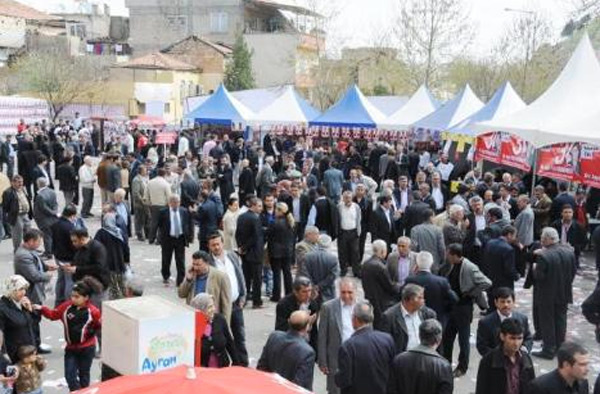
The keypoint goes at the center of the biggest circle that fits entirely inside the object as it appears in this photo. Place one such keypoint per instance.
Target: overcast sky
(359, 21)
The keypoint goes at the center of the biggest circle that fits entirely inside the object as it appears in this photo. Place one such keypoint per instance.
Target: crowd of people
(290, 221)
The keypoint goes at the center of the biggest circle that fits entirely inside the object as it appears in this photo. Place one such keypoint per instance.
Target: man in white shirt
(402, 320)
(229, 263)
(350, 230)
(438, 192)
(87, 178)
(335, 327)
(445, 168)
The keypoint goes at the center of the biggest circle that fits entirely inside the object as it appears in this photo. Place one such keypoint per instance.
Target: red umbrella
(183, 380)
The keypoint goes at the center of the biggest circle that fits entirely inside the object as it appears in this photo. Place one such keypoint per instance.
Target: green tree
(380, 90)
(238, 73)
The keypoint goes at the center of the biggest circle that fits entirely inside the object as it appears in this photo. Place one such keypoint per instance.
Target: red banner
(559, 161)
(488, 147)
(588, 172)
(516, 152)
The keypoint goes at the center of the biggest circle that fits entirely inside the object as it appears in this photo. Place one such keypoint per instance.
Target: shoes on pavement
(166, 282)
(259, 306)
(543, 354)
(537, 337)
(458, 373)
(43, 350)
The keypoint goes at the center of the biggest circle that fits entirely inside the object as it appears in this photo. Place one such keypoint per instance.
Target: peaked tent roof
(352, 110)
(464, 104)
(388, 104)
(288, 108)
(553, 116)
(504, 102)
(221, 108)
(421, 104)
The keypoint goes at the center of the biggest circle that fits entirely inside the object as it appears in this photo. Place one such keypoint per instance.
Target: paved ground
(146, 264)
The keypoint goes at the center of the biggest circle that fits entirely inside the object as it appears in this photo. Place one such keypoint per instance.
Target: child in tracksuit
(81, 320)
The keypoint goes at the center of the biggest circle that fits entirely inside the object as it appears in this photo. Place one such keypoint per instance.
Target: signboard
(588, 172)
(505, 149)
(559, 161)
(166, 137)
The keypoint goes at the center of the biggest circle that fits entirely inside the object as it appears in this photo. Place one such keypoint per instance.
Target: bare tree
(529, 31)
(61, 80)
(431, 33)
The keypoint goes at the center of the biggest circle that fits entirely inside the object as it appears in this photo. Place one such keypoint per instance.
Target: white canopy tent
(464, 104)
(567, 112)
(504, 102)
(288, 109)
(421, 104)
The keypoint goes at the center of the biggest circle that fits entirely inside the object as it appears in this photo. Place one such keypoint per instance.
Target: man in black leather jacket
(422, 370)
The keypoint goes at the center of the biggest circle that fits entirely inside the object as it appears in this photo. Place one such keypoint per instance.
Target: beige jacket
(217, 285)
(158, 192)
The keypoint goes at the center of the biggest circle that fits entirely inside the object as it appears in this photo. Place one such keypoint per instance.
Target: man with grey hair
(439, 296)
(45, 210)
(422, 370)
(322, 268)
(402, 320)
(554, 271)
(307, 245)
(364, 360)
(477, 223)
(379, 288)
(402, 262)
(265, 177)
(430, 238)
(87, 178)
(455, 229)
(350, 230)
(335, 327)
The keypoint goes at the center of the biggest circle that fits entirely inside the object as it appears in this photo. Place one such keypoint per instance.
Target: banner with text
(559, 161)
(505, 149)
(588, 172)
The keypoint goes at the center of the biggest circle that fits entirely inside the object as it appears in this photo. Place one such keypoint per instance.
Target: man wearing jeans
(229, 263)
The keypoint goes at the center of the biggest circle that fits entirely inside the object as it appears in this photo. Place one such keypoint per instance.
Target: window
(219, 22)
(167, 108)
(141, 108)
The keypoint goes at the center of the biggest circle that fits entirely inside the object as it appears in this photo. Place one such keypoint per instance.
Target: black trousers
(277, 266)
(349, 251)
(239, 333)
(154, 213)
(36, 318)
(362, 241)
(170, 246)
(553, 325)
(253, 276)
(459, 322)
(88, 198)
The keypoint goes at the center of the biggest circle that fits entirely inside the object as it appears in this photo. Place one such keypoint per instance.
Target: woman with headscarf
(117, 253)
(16, 316)
(218, 348)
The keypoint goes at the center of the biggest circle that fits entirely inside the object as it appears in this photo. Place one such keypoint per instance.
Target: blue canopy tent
(504, 102)
(352, 110)
(221, 108)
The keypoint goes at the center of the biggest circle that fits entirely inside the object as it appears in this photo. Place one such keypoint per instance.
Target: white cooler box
(146, 334)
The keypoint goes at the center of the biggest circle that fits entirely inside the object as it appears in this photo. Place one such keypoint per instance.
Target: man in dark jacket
(382, 222)
(246, 181)
(377, 283)
(498, 261)
(89, 260)
(302, 295)
(506, 369)
(438, 294)
(563, 198)
(68, 179)
(488, 328)
(322, 268)
(422, 370)
(249, 236)
(16, 208)
(175, 232)
(402, 320)
(554, 272)
(569, 377)
(208, 217)
(324, 214)
(288, 354)
(364, 360)
(570, 231)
